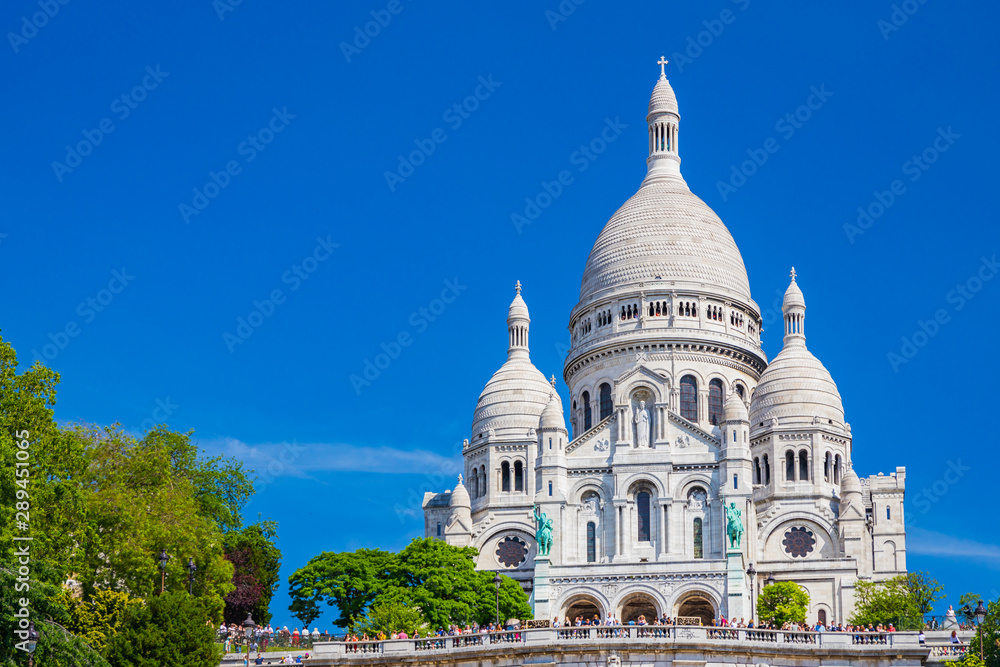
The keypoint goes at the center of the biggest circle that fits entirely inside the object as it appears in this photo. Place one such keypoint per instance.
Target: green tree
(256, 561)
(390, 616)
(438, 579)
(782, 602)
(891, 601)
(97, 619)
(170, 629)
(925, 591)
(988, 634)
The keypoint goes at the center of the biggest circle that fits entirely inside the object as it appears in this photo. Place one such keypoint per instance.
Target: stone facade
(675, 413)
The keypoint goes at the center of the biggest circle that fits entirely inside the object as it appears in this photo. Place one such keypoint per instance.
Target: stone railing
(941, 652)
(617, 635)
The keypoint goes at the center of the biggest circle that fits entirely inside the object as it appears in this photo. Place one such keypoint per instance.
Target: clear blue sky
(328, 122)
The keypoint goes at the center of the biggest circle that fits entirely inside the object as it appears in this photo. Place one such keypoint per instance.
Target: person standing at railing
(921, 638)
(954, 638)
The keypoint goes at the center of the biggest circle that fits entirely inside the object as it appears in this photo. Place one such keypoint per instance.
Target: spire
(517, 326)
(552, 381)
(793, 307)
(663, 119)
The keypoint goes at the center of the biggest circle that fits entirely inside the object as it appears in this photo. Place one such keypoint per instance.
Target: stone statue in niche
(641, 420)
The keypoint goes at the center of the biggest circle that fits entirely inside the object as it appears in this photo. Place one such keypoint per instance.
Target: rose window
(799, 542)
(511, 551)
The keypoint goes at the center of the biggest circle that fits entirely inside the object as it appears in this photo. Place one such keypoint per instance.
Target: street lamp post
(163, 569)
(248, 626)
(33, 637)
(980, 613)
(770, 579)
(192, 568)
(496, 582)
(752, 573)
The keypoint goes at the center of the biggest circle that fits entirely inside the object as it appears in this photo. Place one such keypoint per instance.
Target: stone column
(540, 589)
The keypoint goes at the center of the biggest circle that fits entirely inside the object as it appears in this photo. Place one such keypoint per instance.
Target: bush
(171, 629)
(782, 602)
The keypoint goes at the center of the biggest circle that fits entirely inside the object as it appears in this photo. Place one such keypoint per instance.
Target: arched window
(439, 529)
(789, 466)
(605, 401)
(550, 488)
(689, 398)
(740, 390)
(482, 481)
(698, 551)
(505, 476)
(804, 466)
(826, 467)
(715, 401)
(821, 617)
(591, 543)
(836, 470)
(587, 416)
(767, 470)
(888, 513)
(642, 507)
(756, 471)
(518, 476)
(474, 484)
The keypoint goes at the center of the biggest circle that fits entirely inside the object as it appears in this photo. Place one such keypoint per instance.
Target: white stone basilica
(675, 413)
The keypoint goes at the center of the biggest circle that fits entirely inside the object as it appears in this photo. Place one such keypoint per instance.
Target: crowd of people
(261, 637)
(450, 631)
(612, 620)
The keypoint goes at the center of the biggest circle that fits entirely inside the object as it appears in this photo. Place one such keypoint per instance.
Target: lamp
(248, 626)
(980, 613)
(752, 573)
(33, 638)
(496, 582)
(770, 579)
(163, 569)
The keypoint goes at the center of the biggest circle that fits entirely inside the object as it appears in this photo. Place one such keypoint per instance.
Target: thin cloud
(930, 543)
(292, 459)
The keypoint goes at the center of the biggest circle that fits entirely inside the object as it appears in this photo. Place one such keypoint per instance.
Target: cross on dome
(662, 63)
(552, 381)
(793, 274)
(518, 287)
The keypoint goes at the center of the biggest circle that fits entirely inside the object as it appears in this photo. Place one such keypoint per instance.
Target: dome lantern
(663, 119)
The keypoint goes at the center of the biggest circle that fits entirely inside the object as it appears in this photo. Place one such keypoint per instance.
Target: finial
(518, 286)
(662, 63)
(552, 380)
(793, 274)
(459, 478)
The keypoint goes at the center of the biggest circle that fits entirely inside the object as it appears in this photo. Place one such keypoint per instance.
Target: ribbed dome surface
(513, 400)
(664, 232)
(552, 415)
(460, 496)
(518, 309)
(735, 409)
(796, 388)
(663, 98)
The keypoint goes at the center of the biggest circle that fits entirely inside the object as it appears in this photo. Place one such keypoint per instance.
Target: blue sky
(171, 168)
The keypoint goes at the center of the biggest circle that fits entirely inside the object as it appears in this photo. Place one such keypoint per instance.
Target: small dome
(793, 295)
(735, 409)
(513, 400)
(850, 483)
(518, 308)
(552, 415)
(663, 99)
(460, 496)
(796, 388)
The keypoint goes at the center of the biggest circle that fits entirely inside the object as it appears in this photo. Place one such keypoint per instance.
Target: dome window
(689, 398)
(715, 402)
(606, 405)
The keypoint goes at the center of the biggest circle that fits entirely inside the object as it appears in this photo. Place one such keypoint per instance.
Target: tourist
(921, 637)
(954, 637)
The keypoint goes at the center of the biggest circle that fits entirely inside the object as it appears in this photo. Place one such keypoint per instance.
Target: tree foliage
(782, 602)
(438, 579)
(388, 616)
(256, 561)
(170, 629)
(901, 601)
(988, 634)
(97, 619)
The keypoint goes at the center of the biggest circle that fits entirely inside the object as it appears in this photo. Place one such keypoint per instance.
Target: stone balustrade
(620, 637)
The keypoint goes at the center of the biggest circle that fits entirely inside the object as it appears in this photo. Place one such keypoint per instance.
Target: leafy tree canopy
(782, 602)
(170, 629)
(901, 601)
(438, 579)
(257, 561)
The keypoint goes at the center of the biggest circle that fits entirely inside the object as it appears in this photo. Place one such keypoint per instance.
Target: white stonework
(666, 338)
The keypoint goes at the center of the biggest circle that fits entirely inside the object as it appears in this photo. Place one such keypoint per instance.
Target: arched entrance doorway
(584, 606)
(696, 604)
(636, 605)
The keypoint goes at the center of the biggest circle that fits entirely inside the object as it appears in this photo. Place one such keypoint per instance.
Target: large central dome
(664, 232)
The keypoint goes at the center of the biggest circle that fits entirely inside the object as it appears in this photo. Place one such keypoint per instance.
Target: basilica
(675, 417)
